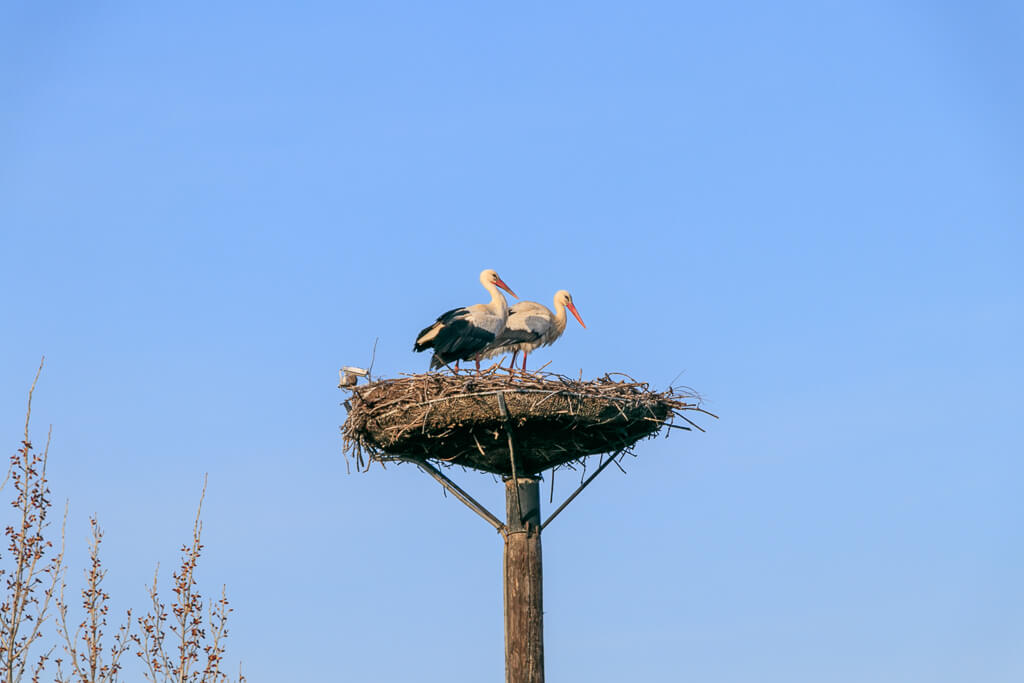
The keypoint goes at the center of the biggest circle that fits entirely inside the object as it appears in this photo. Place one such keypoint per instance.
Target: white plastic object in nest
(348, 375)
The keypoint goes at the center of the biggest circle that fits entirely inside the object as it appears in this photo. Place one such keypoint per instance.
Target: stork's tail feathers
(435, 362)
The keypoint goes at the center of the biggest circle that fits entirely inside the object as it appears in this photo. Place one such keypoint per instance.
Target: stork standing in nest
(532, 325)
(462, 333)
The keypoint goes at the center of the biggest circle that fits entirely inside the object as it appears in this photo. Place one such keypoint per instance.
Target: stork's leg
(524, 360)
(512, 365)
(477, 359)
(456, 365)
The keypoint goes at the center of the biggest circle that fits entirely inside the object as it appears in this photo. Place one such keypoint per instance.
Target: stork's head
(490, 277)
(565, 299)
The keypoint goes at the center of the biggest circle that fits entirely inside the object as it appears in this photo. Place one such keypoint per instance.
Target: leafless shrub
(33, 567)
(32, 580)
(196, 650)
(85, 647)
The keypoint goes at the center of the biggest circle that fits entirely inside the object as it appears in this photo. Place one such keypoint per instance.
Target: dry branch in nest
(484, 421)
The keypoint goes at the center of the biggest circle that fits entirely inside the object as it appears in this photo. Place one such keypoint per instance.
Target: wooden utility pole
(524, 604)
(548, 421)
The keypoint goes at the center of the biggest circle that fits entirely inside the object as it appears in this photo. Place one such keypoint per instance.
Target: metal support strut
(454, 489)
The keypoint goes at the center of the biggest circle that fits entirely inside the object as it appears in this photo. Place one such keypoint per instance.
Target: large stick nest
(486, 420)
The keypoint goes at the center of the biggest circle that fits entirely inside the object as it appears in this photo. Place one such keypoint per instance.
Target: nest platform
(487, 420)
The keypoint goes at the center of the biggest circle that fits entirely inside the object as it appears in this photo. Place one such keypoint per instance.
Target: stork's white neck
(559, 315)
(498, 306)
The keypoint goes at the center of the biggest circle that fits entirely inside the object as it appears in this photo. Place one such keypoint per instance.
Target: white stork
(462, 333)
(532, 325)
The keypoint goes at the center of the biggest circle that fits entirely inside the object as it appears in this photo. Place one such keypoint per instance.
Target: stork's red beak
(498, 281)
(572, 308)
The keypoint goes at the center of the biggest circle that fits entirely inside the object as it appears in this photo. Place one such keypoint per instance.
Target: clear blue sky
(814, 211)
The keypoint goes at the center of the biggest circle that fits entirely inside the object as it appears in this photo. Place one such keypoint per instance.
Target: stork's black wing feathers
(518, 329)
(453, 337)
(459, 340)
(442, 320)
(453, 314)
(517, 336)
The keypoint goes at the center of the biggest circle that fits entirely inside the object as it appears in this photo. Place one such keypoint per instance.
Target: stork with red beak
(532, 325)
(462, 333)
